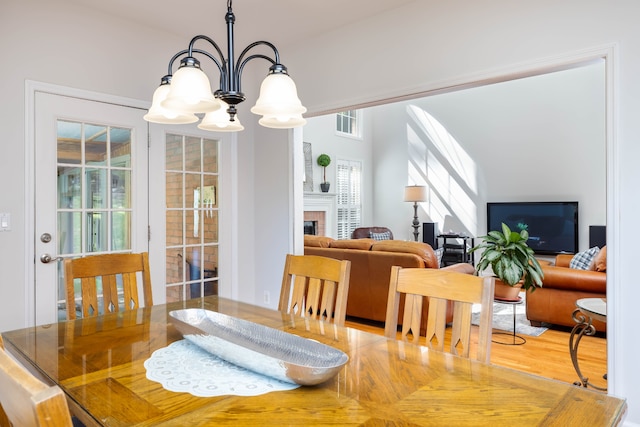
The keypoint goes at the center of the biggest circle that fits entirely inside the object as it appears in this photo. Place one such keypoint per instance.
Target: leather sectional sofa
(562, 286)
(371, 263)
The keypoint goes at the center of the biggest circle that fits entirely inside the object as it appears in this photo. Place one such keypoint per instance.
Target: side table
(515, 339)
(588, 310)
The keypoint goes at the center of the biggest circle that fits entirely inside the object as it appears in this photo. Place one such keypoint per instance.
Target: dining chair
(118, 275)
(315, 286)
(27, 401)
(440, 287)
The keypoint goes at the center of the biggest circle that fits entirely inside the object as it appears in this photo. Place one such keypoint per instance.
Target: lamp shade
(158, 114)
(279, 100)
(415, 193)
(190, 92)
(279, 122)
(218, 120)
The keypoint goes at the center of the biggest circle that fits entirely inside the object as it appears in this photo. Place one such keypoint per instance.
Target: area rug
(503, 318)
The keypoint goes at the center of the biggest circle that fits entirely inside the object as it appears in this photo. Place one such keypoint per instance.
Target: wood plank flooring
(546, 355)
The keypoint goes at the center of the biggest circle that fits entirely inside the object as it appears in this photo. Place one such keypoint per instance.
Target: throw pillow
(380, 236)
(439, 252)
(582, 260)
(600, 262)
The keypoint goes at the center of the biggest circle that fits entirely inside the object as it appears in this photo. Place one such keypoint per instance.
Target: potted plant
(511, 260)
(324, 160)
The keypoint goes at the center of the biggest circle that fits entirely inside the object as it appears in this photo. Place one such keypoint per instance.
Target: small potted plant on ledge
(512, 261)
(324, 160)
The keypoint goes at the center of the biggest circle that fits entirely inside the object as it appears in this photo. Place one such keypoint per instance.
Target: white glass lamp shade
(218, 120)
(279, 100)
(190, 92)
(159, 114)
(280, 122)
(415, 193)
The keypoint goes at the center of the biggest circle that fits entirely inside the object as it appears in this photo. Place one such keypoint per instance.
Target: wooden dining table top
(99, 364)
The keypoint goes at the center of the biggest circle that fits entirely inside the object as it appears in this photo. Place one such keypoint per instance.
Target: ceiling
(278, 21)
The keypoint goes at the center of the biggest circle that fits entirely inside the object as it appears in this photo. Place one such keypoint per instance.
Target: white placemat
(185, 367)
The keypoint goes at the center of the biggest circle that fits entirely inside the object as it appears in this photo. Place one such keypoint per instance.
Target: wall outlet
(267, 297)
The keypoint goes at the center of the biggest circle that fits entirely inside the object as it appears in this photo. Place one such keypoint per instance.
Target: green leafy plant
(510, 258)
(324, 160)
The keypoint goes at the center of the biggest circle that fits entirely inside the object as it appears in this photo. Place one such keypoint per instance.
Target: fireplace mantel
(323, 202)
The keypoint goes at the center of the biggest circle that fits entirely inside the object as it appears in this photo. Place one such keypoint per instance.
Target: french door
(91, 188)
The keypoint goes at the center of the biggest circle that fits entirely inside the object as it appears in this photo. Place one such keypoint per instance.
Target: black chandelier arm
(190, 53)
(213, 43)
(243, 63)
(255, 44)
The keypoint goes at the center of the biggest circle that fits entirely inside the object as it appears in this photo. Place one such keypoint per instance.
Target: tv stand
(455, 249)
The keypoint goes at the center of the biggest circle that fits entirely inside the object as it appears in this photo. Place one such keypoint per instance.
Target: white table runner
(184, 367)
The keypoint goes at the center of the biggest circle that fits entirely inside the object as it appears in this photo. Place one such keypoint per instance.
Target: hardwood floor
(546, 355)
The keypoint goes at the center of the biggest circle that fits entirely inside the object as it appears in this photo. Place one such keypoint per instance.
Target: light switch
(5, 221)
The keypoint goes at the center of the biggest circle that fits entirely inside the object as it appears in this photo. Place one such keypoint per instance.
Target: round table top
(596, 308)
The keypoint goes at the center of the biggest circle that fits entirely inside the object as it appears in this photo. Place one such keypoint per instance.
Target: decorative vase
(324, 186)
(506, 292)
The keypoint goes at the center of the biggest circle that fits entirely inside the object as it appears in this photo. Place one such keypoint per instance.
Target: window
(348, 123)
(349, 189)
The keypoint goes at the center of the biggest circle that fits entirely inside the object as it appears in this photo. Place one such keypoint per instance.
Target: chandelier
(188, 92)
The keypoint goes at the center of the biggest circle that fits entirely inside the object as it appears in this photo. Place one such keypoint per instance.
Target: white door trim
(31, 88)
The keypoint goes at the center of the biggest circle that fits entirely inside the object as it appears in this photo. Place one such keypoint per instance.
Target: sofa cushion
(423, 250)
(600, 261)
(317, 241)
(386, 235)
(363, 244)
(583, 260)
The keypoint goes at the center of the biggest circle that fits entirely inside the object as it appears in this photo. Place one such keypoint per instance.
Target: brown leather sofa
(562, 286)
(371, 263)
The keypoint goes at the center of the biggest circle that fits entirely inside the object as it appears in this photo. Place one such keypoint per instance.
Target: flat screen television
(552, 226)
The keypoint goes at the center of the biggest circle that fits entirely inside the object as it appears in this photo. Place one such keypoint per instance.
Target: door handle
(46, 258)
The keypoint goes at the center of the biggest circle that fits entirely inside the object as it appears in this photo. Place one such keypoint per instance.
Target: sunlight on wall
(438, 161)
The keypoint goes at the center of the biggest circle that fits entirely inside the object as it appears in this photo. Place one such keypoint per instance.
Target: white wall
(321, 133)
(536, 139)
(430, 45)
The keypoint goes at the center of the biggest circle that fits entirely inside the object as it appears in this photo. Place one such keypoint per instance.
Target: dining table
(103, 364)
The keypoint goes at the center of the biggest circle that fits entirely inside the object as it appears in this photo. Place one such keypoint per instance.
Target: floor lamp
(415, 194)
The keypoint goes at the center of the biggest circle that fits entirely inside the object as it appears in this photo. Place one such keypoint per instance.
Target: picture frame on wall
(308, 167)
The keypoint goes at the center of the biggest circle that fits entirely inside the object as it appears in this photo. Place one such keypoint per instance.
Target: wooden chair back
(114, 270)
(315, 286)
(26, 401)
(441, 286)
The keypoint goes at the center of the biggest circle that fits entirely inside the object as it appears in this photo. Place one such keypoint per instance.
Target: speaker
(597, 235)
(429, 233)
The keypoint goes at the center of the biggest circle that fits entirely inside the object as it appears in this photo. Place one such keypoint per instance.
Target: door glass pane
(120, 230)
(210, 155)
(120, 189)
(96, 231)
(69, 232)
(69, 145)
(69, 187)
(120, 148)
(174, 189)
(95, 146)
(96, 185)
(193, 159)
